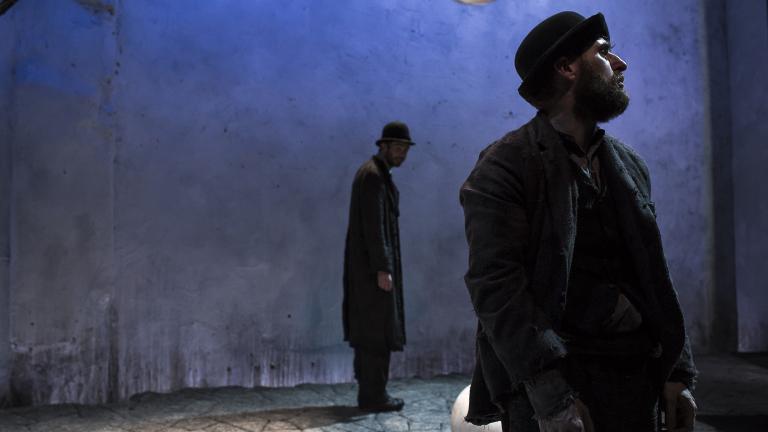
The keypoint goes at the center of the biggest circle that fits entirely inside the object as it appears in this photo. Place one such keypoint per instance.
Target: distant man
(374, 320)
(580, 328)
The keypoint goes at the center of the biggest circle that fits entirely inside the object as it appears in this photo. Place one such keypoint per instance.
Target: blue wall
(6, 49)
(182, 176)
(62, 138)
(748, 31)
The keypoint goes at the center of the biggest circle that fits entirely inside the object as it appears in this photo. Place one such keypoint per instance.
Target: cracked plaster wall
(182, 176)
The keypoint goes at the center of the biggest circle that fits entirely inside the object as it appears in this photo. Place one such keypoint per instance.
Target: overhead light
(474, 2)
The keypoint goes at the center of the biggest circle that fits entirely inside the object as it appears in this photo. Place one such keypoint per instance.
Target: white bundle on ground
(458, 412)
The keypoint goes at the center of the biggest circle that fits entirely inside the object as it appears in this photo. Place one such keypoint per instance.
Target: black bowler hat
(565, 33)
(395, 131)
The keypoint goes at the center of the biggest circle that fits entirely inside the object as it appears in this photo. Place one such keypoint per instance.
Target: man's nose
(617, 64)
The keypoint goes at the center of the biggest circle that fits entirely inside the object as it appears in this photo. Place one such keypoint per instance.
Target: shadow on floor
(299, 418)
(757, 358)
(723, 423)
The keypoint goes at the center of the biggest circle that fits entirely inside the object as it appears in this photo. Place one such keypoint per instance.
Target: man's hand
(575, 418)
(385, 281)
(679, 407)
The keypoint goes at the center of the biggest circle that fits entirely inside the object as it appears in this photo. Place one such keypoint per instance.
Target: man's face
(599, 89)
(395, 152)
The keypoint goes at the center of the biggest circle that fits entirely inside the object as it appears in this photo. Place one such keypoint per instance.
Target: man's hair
(547, 87)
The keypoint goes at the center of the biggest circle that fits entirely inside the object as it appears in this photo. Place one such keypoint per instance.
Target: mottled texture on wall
(748, 28)
(6, 52)
(182, 177)
(61, 276)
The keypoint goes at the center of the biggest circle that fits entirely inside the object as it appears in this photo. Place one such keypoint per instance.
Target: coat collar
(562, 191)
(558, 171)
(394, 194)
(550, 138)
(547, 137)
(382, 165)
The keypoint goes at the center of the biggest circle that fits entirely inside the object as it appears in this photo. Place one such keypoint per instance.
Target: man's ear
(566, 68)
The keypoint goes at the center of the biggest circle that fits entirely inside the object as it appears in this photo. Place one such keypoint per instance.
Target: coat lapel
(635, 217)
(392, 193)
(641, 233)
(629, 193)
(561, 189)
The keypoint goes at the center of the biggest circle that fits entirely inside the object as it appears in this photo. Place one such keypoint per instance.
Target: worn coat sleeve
(498, 233)
(374, 202)
(684, 370)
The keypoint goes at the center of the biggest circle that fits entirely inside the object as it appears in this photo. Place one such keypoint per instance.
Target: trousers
(372, 374)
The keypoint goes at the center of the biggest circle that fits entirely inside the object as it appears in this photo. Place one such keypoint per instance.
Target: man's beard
(394, 162)
(597, 99)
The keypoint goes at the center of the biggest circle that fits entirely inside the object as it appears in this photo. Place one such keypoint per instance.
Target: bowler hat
(395, 131)
(565, 33)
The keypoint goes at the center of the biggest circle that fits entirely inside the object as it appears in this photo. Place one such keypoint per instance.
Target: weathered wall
(723, 323)
(7, 30)
(61, 285)
(748, 35)
(182, 174)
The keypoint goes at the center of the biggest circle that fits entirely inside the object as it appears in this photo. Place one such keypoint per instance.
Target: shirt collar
(574, 149)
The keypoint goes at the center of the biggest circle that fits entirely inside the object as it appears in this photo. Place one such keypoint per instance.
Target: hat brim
(582, 33)
(400, 140)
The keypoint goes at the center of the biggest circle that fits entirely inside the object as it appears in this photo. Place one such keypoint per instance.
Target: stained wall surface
(748, 31)
(62, 207)
(6, 49)
(181, 177)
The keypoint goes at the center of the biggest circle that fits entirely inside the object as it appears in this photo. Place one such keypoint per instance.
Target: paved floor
(732, 394)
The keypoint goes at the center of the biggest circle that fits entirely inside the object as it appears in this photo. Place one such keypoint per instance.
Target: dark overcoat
(373, 318)
(520, 204)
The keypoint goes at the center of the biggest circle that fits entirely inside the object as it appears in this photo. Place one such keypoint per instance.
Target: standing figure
(374, 320)
(579, 327)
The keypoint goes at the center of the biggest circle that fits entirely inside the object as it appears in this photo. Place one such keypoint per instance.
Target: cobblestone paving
(236, 409)
(732, 394)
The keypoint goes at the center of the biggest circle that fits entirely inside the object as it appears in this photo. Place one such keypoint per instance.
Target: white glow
(475, 2)
(458, 412)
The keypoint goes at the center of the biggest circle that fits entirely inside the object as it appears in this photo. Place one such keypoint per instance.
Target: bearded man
(373, 314)
(579, 327)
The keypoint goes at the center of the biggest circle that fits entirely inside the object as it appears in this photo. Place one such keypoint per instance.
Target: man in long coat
(374, 320)
(579, 327)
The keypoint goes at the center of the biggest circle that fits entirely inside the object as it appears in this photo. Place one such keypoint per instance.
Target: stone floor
(732, 394)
